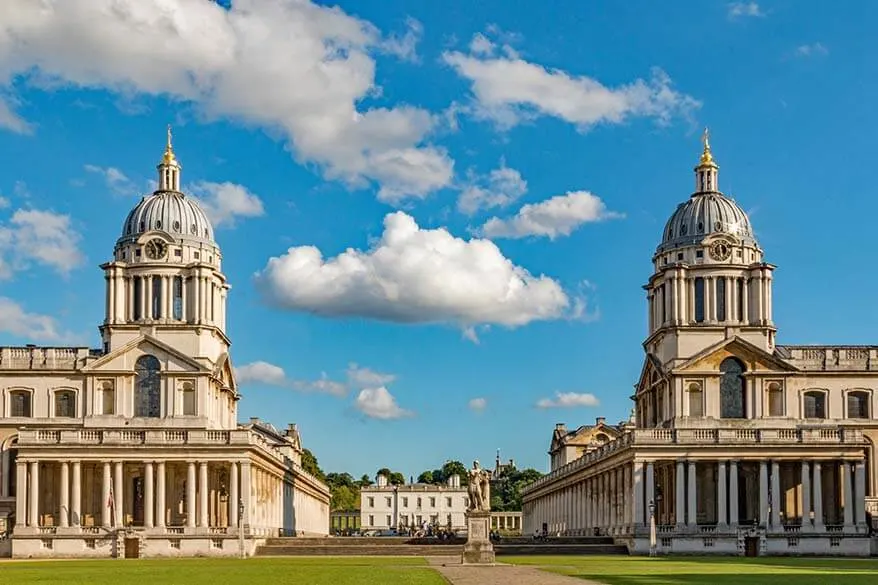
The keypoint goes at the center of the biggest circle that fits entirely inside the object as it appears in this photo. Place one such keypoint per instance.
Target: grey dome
(703, 215)
(171, 212)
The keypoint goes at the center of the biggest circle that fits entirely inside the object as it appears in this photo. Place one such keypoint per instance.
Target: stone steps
(560, 549)
(400, 550)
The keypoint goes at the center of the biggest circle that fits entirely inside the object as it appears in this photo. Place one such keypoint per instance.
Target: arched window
(65, 403)
(147, 387)
(178, 298)
(858, 404)
(814, 404)
(20, 403)
(156, 310)
(699, 300)
(696, 399)
(721, 298)
(138, 296)
(732, 389)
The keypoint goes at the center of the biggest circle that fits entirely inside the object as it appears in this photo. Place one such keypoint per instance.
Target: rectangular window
(699, 300)
(371, 505)
(432, 502)
(371, 520)
(156, 310)
(138, 298)
(740, 284)
(387, 520)
(448, 502)
(388, 502)
(721, 298)
(815, 405)
(20, 404)
(858, 404)
(108, 399)
(775, 402)
(448, 519)
(434, 519)
(178, 298)
(405, 502)
(189, 400)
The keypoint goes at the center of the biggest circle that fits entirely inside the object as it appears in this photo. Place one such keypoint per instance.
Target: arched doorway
(732, 389)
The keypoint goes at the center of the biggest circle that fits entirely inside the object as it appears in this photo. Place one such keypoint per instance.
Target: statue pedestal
(478, 549)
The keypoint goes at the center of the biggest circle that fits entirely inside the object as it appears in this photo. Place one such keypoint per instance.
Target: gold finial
(706, 155)
(169, 150)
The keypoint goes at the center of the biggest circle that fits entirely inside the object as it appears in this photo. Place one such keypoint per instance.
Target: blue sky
(397, 131)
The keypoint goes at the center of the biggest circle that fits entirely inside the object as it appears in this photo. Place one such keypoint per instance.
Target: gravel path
(499, 574)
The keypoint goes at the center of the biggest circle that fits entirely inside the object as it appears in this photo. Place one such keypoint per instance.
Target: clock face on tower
(720, 250)
(156, 249)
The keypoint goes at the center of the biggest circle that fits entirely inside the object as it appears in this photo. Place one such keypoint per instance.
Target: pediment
(125, 357)
(755, 359)
(225, 373)
(650, 373)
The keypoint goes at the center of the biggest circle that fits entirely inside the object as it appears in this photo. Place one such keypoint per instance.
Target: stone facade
(135, 449)
(384, 506)
(737, 445)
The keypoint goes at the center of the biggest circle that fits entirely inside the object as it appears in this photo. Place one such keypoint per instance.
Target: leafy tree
(310, 465)
(426, 477)
(365, 481)
(507, 488)
(454, 467)
(345, 498)
(396, 478)
(340, 480)
(385, 472)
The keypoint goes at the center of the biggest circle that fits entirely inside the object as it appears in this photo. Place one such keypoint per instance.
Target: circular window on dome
(205, 232)
(700, 227)
(718, 225)
(194, 229)
(176, 226)
(683, 229)
(142, 226)
(158, 224)
(670, 234)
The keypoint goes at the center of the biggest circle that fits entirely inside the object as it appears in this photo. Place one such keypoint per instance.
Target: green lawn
(710, 571)
(267, 571)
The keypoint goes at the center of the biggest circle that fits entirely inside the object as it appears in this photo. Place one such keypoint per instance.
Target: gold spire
(169, 150)
(706, 155)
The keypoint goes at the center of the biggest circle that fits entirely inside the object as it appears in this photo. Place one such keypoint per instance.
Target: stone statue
(479, 489)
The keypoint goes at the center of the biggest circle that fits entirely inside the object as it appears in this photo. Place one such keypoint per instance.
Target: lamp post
(652, 543)
(241, 527)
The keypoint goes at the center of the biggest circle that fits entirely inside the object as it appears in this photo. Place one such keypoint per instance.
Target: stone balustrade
(809, 357)
(46, 358)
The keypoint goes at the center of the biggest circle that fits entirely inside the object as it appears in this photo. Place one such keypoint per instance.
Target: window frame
(698, 386)
(56, 396)
(824, 393)
(187, 388)
(103, 387)
(867, 395)
(12, 393)
(768, 392)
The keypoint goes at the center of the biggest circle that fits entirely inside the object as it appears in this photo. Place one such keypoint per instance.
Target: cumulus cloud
(478, 404)
(405, 46)
(501, 187)
(4, 202)
(14, 320)
(380, 403)
(414, 275)
(551, 218)
(115, 179)
(568, 400)
(359, 377)
(225, 202)
(744, 10)
(261, 372)
(34, 236)
(811, 50)
(288, 65)
(507, 89)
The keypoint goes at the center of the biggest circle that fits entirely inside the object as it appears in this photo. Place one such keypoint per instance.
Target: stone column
(148, 495)
(119, 493)
(245, 492)
(848, 495)
(650, 488)
(763, 493)
(860, 493)
(680, 490)
(721, 496)
(733, 495)
(692, 512)
(806, 497)
(190, 494)
(76, 495)
(34, 519)
(21, 488)
(638, 494)
(160, 505)
(106, 518)
(818, 496)
(203, 492)
(64, 499)
(776, 496)
(233, 494)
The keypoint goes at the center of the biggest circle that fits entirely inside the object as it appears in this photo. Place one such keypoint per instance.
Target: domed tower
(165, 278)
(710, 281)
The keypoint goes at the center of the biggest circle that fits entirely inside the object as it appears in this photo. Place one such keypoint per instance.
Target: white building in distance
(402, 507)
(134, 449)
(739, 445)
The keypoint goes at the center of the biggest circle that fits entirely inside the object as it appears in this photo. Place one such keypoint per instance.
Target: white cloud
(405, 46)
(260, 372)
(744, 9)
(379, 403)
(568, 400)
(16, 321)
(225, 202)
(38, 236)
(478, 404)
(507, 89)
(114, 178)
(481, 45)
(414, 275)
(4, 202)
(288, 65)
(501, 187)
(359, 377)
(812, 50)
(551, 218)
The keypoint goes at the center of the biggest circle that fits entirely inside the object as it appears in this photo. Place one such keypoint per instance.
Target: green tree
(365, 481)
(426, 477)
(454, 468)
(310, 465)
(507, 488)
(385, 472)
(345, 498)
(396, 478)
(340, 479)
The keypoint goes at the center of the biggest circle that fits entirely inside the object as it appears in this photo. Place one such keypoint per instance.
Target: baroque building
(738, 445)
(384, 506)
(134, 449)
